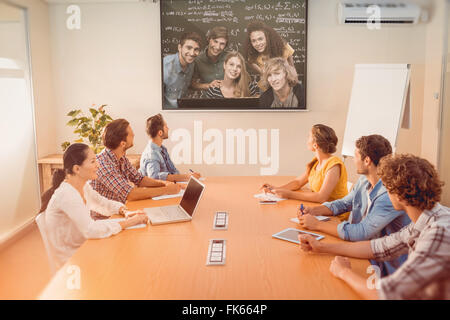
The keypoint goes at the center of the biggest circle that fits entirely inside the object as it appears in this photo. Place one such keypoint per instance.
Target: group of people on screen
(391, 215)
(216, 72)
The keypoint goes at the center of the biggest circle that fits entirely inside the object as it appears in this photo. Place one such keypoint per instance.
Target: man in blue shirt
(178, 69)
(155, 160)
(372, 214)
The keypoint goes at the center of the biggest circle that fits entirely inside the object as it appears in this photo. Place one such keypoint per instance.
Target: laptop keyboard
(173, 213)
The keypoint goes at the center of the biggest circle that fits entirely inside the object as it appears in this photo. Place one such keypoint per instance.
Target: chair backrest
(40, 221)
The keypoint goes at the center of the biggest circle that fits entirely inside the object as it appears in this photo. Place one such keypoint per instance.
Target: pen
(302, 208)
(191, 171)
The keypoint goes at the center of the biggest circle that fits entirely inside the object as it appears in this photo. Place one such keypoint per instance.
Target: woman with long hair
(236, 82)
(67, 213)
(326, 174)
(264, 43)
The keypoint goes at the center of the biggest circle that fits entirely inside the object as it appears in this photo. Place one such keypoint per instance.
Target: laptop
(181, 212)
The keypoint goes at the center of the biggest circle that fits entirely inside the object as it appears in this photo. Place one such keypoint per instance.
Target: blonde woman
(284, 90)
(236, 82)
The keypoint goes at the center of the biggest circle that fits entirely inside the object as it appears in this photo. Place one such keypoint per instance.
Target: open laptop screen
(191, 196)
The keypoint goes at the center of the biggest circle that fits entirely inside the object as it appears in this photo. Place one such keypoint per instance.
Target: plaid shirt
(426, 273)
(114, 176)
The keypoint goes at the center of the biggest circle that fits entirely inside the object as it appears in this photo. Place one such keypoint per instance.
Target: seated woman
(264, 43)
(326, 173)
(284, 89)
(236, 82)
(67, 213)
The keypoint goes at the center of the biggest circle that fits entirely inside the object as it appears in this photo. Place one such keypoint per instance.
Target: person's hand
(282, 193)
(139, 218)
(196, 175)
(129, 214)
(307, 221)
(308, 243)
(183, 186)
(339, 265)
(267, 188)
(173, 188)
(257, 68)
(215, 84)
(314, 211)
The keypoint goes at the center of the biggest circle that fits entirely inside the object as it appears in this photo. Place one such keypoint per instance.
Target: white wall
(115, 59)
(433, 80)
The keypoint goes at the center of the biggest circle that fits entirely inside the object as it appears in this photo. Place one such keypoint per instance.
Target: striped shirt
(114, 176)
(216, 93)
(426, 272)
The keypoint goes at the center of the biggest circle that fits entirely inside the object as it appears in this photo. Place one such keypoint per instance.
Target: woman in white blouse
(67, 215)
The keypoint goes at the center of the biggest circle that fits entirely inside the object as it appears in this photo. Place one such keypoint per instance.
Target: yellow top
(317, 177)
(262, 58)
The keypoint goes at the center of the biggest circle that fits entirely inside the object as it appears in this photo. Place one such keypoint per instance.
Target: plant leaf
(93, 112)
(72, 122)
(73, 113)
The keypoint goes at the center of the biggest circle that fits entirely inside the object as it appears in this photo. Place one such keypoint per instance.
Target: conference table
(169, 261)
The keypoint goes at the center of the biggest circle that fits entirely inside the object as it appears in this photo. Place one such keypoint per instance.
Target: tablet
(291, 234)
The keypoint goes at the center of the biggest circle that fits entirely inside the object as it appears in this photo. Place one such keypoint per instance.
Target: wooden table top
(169, 261)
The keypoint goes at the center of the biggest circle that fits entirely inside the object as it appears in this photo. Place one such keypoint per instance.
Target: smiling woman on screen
(236, 82)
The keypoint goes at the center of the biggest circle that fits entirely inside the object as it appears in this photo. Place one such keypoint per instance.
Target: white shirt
(369, 202)
(68, 220)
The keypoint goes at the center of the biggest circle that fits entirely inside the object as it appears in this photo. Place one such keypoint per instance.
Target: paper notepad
(268, 197)
(320, 218)
(169, 196)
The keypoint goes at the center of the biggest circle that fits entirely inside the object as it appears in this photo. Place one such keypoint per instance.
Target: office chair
(40, 221)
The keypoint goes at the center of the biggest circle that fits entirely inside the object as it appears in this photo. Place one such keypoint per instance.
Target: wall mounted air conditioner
(376, 12)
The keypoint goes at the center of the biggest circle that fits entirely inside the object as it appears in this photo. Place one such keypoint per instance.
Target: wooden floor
(24, 269)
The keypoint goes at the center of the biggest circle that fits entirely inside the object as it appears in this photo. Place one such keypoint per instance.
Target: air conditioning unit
(378, 12)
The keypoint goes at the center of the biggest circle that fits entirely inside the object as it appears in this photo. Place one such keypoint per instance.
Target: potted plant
(89, 128)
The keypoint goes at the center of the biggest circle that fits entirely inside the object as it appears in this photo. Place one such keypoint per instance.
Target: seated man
(155, 160)
(413, 186)
(116, 172)
(372, 214)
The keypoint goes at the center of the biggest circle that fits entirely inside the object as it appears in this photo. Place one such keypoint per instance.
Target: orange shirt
(317, 177)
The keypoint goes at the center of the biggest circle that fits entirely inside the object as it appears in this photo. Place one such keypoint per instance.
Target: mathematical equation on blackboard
(288, 18)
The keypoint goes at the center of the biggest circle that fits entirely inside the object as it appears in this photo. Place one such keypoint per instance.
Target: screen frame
(237, 109)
